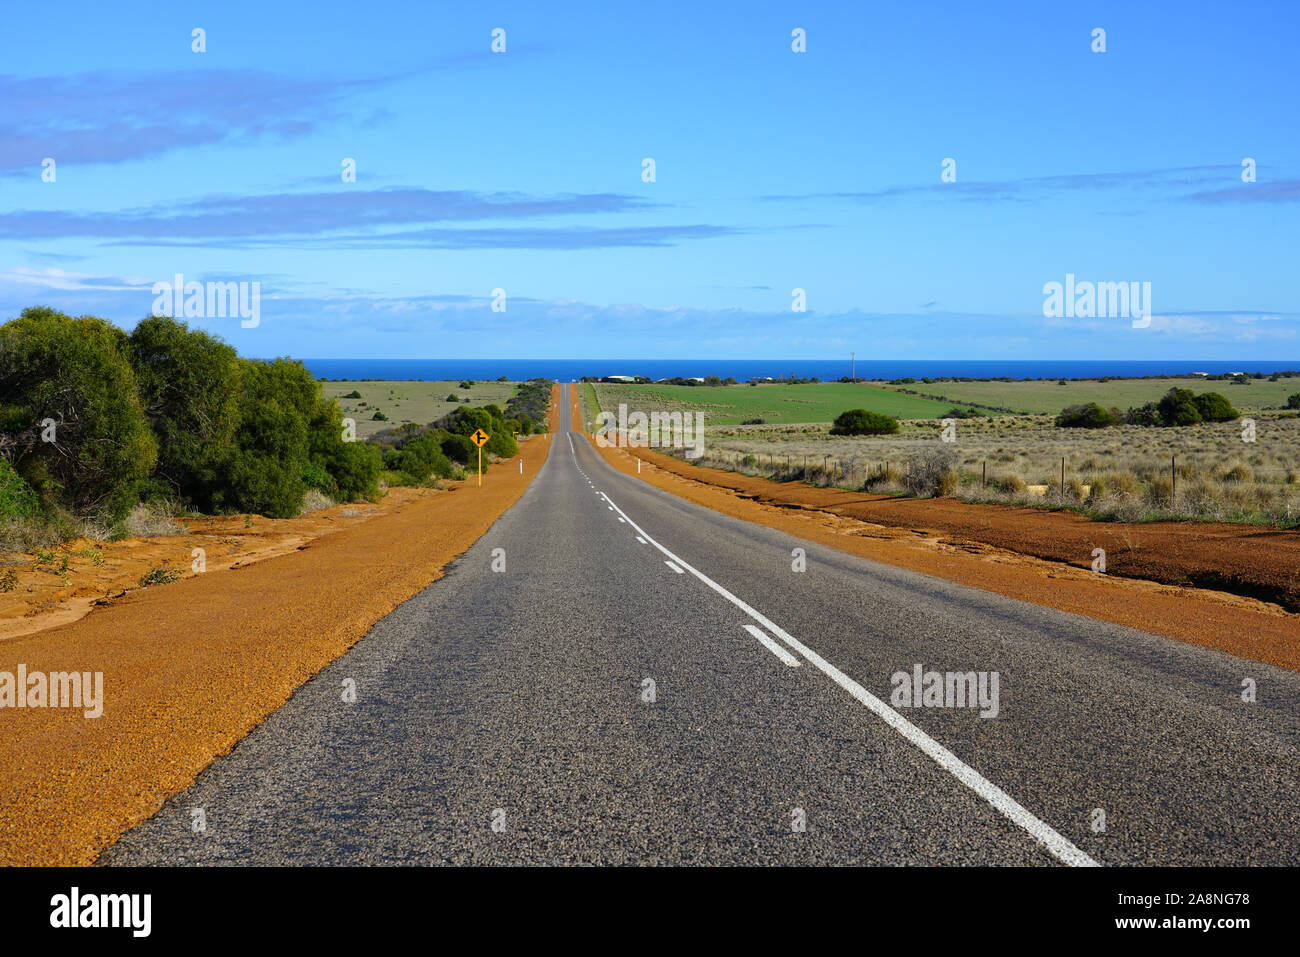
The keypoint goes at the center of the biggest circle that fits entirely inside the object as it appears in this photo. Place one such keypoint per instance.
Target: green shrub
(277, 400)
(1087, 416)
(76, 373)
(863, 422)
(420, 459)
(1178, 407)
(490, 419)
(502, 444)
(158, 576)
(531, 400)
(17, 500)
(458, 448)
(189, 386)
(1215, 408)
(353, 466)
(452, 397)
(1146, 415)
(315, 476)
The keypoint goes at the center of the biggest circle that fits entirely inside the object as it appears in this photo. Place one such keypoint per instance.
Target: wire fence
(1060, 473)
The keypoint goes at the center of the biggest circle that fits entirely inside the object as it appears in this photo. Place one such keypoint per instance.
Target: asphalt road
(506, 717)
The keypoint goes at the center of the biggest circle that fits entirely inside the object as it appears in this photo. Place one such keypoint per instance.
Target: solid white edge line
(772, 646)
(1057, 844)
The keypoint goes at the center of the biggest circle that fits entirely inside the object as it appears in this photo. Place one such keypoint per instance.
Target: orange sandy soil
(922, 535)
(41, 600)
(191, 667)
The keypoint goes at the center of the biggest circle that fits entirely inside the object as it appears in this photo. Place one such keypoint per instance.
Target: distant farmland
(402, 402)
(780, 404)
(1047, 395)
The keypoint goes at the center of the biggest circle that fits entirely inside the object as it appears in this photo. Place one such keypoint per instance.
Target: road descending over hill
(612, 675)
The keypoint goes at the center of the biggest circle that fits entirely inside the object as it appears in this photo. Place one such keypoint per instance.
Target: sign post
(478, 438)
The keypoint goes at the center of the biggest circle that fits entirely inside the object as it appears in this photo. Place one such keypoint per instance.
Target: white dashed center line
(1056, 844)
(773, 647)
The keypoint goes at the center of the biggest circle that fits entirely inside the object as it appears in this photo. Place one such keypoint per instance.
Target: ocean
(565, 370)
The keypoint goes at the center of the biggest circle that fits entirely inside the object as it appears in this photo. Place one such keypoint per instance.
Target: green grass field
(402, 402)
(1049, 396)
(780, 404)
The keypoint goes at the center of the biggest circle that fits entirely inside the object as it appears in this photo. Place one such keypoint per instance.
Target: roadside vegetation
(100, 428)
(106, 434)
(1206, 470)
(404, 402)
(1176, 407)
(423, 454)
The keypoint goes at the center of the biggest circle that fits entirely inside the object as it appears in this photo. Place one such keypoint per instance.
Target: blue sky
(774, 170)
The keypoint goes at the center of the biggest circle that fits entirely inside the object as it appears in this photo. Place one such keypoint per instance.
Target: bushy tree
(352, 467)
(863, 422)
(458, 448)
(1087, 416)
(1146, 415)
(490, 419)
(189, 383)
(74, 373)
(502, 444)
(420, 459)
(1178, 407)
(166, 412)
(1214, 407)
(266, 470)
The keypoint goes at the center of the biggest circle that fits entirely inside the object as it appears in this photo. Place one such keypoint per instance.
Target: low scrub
(151, 521)
(932, 471)
(864, 422)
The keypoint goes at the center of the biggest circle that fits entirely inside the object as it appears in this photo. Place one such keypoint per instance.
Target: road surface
(647, 681)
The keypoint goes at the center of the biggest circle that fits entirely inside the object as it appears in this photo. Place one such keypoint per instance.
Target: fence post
(1062, 478)
(1173, 480)
(984, 474)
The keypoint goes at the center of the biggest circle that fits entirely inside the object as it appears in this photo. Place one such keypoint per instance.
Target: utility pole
(853, 367)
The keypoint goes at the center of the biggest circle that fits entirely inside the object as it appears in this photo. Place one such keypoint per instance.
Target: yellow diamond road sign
(479, 437)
